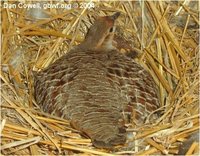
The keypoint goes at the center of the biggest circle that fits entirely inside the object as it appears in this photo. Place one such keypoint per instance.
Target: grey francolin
(95, 86)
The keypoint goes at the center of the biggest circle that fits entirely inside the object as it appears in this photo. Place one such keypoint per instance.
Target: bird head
(101, 33)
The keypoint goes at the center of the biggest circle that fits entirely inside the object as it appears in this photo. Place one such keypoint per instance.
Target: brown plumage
(94, 85)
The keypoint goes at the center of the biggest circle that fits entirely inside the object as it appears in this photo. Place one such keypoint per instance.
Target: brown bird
(94, 86)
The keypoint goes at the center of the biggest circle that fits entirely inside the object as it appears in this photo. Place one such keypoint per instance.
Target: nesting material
(162, 36)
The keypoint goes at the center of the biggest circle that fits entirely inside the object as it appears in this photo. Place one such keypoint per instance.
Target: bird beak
(115, 16)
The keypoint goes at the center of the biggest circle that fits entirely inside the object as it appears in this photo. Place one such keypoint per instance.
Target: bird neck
(97, 43)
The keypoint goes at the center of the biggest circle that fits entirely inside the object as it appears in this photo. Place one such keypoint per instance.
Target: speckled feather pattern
(93, 90)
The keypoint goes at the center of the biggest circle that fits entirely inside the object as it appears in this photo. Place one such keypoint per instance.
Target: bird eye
(111, 29)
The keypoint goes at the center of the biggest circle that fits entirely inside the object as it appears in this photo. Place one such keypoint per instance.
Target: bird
(97, 88)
